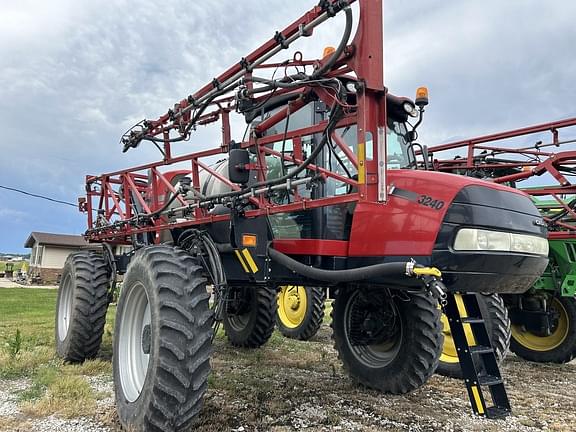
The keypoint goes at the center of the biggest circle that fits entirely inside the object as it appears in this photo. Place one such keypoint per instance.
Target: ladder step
(489, 380)
(497, 413)
(480, 349)
(468, 320)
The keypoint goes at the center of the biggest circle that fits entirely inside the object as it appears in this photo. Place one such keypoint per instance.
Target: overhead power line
(38, 196)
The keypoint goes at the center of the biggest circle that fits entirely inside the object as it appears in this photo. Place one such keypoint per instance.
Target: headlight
(470, 239)
(351, 87)
(410, 109)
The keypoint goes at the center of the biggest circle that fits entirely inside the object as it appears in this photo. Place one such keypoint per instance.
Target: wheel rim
(292, 305)
(65, 307)
(545, 343)
(376, 355)
(449, 353)
(134, 342)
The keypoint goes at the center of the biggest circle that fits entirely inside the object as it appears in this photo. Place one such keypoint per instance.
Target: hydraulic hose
(343, 43)
(335, 116)
(349, 275)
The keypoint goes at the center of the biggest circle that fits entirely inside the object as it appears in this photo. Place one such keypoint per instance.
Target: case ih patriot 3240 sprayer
(544, 317)
(308, 197)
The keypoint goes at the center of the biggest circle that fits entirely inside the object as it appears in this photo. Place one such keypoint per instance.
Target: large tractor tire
(391, 343)
(300, 311)
(162, 342)
(497, 322)
(249, 316)
(557, 347)
(81, 306)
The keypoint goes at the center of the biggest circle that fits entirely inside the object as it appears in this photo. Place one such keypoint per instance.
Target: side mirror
(237, 161)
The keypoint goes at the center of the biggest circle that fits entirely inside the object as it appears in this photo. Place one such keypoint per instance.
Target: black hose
(163, 208)
(335, 116)
(349, 275)
(343, 43)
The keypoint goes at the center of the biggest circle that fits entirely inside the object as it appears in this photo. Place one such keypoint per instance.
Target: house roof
(55, 239)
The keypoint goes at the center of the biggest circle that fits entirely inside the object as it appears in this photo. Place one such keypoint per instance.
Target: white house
(49, 252)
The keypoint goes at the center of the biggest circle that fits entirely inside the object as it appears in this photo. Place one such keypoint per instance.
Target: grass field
(27, 355)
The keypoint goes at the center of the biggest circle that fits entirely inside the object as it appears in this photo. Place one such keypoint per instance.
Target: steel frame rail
(529, 161)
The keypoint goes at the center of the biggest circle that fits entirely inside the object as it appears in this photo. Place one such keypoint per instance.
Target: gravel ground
(300, 386)
(12, 419)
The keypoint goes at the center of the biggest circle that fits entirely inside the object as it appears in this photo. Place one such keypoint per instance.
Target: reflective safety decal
(245, 258)
(250, 260)
(239, 256)
(478, 400)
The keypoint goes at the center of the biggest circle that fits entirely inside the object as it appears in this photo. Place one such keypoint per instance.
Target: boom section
(289, 162)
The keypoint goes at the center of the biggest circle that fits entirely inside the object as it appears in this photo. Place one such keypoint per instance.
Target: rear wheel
(497, 322)
(300, 311)
(249, 316)
(559, 346)
(389, 342)
(81, 306)
(162, 342)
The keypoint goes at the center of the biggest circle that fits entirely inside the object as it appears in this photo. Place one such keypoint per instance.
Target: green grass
(28, 313)
(27, 351)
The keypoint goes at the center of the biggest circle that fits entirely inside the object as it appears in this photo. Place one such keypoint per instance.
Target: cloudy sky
(74, 74)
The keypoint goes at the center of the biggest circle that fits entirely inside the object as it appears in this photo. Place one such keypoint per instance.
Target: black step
(489, 380)
(468, 320)
(497, 413)
(480, 349)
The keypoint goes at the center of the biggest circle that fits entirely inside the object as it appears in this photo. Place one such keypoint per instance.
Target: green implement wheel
(559, 346)
(495, 315)
(300, 311)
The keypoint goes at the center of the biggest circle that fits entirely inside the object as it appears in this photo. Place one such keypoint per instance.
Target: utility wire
(38, 196)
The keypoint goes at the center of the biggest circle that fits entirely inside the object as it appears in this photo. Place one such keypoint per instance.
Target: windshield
(396, 145)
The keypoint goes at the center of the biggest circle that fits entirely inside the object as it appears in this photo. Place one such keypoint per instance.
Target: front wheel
(162, 341)
(300, 311)
(387, 340)
(556, 346)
